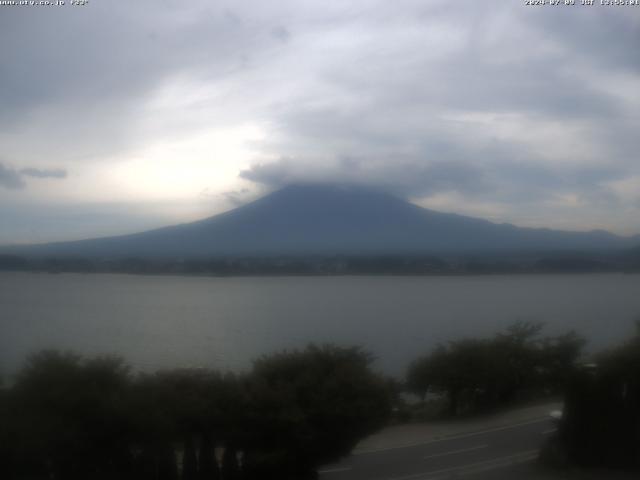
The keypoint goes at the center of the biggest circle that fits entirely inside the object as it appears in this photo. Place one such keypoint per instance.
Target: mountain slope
(320, 219)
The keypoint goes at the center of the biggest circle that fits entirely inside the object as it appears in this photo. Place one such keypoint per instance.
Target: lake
(170, 321)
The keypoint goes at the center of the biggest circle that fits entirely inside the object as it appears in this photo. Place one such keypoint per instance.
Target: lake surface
(169, 321)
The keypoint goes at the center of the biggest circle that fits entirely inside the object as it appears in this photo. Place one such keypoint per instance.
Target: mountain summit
(327, 220)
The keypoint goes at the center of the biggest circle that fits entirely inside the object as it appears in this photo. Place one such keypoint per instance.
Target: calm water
(168, 321)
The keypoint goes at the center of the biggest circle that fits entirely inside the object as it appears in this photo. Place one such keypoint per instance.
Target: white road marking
(453, 437)
(334, 470)
(453, 452)
(476, 467)
(547, 432)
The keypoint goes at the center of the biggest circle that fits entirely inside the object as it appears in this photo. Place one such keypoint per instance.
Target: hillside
(328, 220)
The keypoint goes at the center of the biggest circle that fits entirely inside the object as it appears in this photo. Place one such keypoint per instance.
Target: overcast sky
(124, 115)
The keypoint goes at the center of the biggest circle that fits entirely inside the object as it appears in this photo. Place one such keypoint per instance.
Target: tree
(420, 376)
(7, 454)
(484, 373)
(185, 407)
(69, 415)
(311, 407)
(601, 421)
(558, 360)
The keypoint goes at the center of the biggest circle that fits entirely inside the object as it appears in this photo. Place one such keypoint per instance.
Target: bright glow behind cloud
(178, 168)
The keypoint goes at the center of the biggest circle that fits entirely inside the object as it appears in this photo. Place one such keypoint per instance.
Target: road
(494, 453)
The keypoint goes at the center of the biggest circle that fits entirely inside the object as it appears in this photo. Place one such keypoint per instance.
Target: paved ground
(410, 434)
(496, 447)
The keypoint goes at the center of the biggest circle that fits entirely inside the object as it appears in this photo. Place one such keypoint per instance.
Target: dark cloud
(275, 174)
(237, 198)
(13, 179)
(402, 176)
(89, 101)
(44, 172)
(497, 179)
(602, 36)
(10, 179)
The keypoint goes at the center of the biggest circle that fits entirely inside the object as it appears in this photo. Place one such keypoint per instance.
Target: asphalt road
(496, 453)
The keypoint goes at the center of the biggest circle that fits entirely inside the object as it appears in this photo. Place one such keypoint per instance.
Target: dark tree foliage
(558, 358)
(7, 454)
(477, 374)
(601, 421)
(207, 468)
(230, 469)
(312, 406)
(67, 417)
(190, 462)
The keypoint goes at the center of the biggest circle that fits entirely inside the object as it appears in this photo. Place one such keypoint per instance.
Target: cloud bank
(13, 179)
(9, 178)
(44, 173)
(525, 115)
